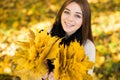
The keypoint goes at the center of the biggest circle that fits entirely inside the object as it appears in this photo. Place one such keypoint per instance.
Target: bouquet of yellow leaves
(31, 56)
(70, 62)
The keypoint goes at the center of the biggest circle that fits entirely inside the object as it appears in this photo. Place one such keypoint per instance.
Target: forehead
(74, 6)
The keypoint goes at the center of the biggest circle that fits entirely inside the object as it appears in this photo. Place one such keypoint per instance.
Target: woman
(73, 21)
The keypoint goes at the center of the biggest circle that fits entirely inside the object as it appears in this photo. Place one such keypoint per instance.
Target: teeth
(68, 24)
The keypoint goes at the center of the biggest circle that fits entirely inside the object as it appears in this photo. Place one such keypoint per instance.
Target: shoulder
(90, 50)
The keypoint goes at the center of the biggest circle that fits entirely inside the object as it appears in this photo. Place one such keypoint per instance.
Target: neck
(67, 36)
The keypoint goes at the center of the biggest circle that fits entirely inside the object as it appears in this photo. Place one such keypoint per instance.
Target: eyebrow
(76, 12)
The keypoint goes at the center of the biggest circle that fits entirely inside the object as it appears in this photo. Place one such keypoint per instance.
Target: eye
(77, 16)
(66, 12)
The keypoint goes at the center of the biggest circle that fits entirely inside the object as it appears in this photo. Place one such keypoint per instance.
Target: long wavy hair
(83, 33)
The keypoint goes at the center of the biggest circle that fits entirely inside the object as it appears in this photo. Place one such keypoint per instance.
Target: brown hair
(81, 34)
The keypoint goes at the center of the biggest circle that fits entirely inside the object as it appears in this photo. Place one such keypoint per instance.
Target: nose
(70, 18)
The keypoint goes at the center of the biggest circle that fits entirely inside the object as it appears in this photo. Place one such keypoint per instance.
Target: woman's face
(71, 18)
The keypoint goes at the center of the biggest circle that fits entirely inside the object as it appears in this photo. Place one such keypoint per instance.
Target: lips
(69, 24)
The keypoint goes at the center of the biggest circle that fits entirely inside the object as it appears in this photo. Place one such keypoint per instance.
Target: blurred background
(17, 16)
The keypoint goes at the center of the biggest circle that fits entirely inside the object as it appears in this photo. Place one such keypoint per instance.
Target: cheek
(62, 21)
(64, 16)
(79, 23)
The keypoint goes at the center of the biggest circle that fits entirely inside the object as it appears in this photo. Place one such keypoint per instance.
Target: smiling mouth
(68, 24)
